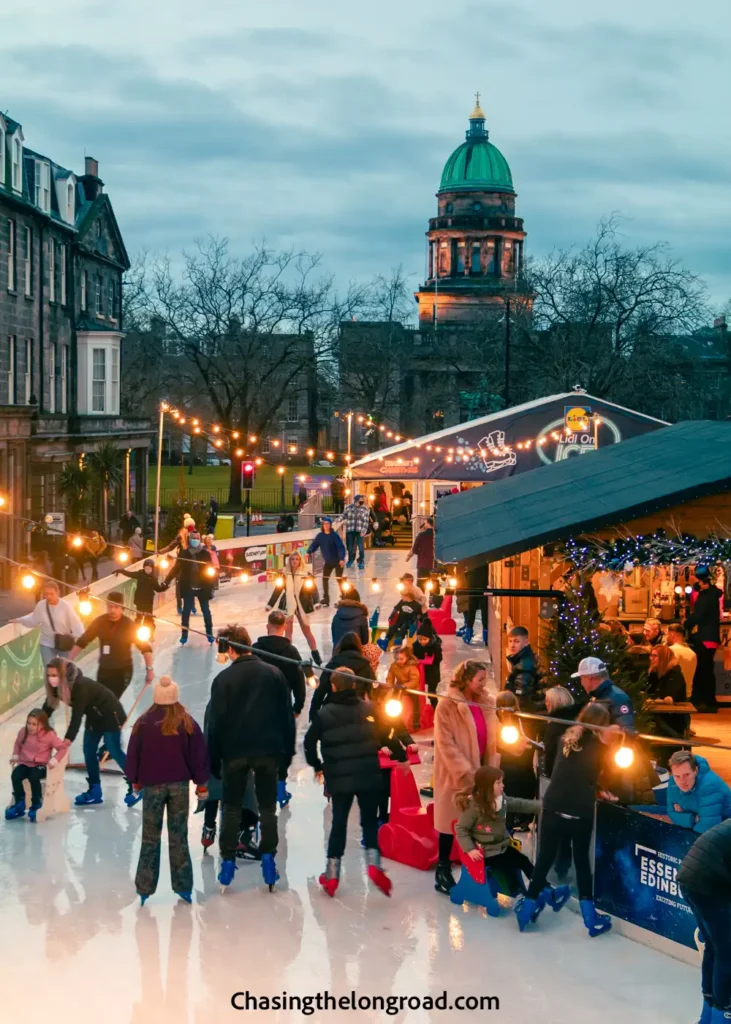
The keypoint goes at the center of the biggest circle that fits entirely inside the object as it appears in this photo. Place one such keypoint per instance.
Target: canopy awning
(614, 485)
(506, 443)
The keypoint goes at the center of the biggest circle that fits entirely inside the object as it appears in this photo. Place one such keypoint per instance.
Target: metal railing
(263, 499)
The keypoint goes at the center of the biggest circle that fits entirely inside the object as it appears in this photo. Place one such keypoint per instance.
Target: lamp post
(281, 470)
(163, 409)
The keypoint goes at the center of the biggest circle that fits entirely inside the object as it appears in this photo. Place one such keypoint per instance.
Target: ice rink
(78, 949)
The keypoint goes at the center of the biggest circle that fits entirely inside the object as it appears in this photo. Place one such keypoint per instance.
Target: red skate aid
(409, 836)
(441, 618)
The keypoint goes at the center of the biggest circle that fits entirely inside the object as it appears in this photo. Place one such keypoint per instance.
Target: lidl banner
(635, 874)
(21, 669)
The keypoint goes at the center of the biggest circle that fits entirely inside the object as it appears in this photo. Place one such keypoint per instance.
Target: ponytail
(592, 714)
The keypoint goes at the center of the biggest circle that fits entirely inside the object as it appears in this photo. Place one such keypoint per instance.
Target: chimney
(91, 182)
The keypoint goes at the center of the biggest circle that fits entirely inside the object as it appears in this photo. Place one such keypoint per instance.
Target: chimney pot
(91, 166)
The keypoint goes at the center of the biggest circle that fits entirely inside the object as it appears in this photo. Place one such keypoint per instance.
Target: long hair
(482, 792)
(592, 714)
(558, 697)
(349, 642)
(176, 715)
(507, 700)
(41, 717)
(665, 660)
(465, 672)
(68, 673)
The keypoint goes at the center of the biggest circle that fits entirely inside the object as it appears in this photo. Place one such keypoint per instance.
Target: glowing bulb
(624, 757)
(678, 590)
(216, 430)
(312, 681)
(301, 479)
(309, 584)
(345, 587)
(453, 581)
(196, 430)
(194, 422)
(77, 542)
(400, 586)
(281, 470)
(28, 581)
(218, 444)
(243, 578)
(252, 438)
(429, 585)
(348, 492)
(324, 485)
(164, 563)
(123, 557)
(236, 435)
(310, 452)
(509, 734)
(689, 590)
(375, 586)
(164, 406)
(239, 453)
(181, 421)
(275, 443)
(393, 707)
(371, 497)
(144, 633)
(279, 581)
(396, 501)
(330, 455)
(258, 462)
(85, 607)
(211, 570)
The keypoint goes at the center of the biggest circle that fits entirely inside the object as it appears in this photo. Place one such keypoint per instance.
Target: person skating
(337, 492)
(423, 549)
(348, 654)
(212, 516)
(297, 597)
(357, 522)
(57, 620)
(251, 728)
(476, 583)
(166, 752)
(568, 813)
(147, 586)
(95, 704)
(406, 613)
(349, 741)
(275, 643)
(332, 549)
(351, 616)
(117, 635)
(427, 647)
(704, 878)
(36, 748)
(197, 575)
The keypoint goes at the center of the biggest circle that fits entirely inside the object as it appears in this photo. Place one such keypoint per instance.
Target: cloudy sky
(325, 125)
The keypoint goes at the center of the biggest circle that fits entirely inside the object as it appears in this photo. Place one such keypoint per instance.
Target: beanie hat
(149, 561)
(166, 691)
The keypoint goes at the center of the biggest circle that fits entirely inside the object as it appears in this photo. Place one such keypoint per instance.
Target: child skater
(482, 831)
(147, 587)
(37, 747)
(166, 751)
(428, 645)
(349, 740)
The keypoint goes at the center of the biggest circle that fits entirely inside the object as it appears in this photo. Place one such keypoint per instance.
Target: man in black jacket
(276, 643)
(349, 739)
(116, 634)
(251, 726)
(704, 625)
(194, 566)
(523, 679)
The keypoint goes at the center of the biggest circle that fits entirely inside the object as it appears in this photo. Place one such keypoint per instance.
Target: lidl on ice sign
(577, 419)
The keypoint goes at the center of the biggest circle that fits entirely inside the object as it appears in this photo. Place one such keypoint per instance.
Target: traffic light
(247, 475)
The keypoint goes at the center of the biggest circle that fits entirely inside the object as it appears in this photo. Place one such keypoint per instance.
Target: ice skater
(349, 739)
(36, 748)
(296, 596)
(166, 753)
(147, 586)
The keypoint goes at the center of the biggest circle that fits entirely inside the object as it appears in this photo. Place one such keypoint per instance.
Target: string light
(77, 542)
(400, 587)
(428, 585)
(453, 581)
(279, 582)
(123, 556)
(509, 734)
(281, 470)
(375, 586)
(330, 455)
(144, 633)
(308, 584)
(164, 563)
(345, 586)
(393, 707)
(243, 577)
(211, 571)
(28, 580)
(624, 757)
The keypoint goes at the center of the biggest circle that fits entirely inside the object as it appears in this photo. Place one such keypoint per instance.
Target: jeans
(189, 597)
(341, 804)
(326, 571)
(115, 679)
(173, 796)
(714, 918)
(34, 775)
(91, 756)
(554, 831)
(353, 540)
(235, 775)
(49, 653)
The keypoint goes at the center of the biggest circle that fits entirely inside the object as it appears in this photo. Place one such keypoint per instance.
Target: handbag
(61, 641)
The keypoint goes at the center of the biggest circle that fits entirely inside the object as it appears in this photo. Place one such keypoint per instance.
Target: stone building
(62, 258)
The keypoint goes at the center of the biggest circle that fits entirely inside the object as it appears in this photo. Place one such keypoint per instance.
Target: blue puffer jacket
(707, 804)
(330, 546)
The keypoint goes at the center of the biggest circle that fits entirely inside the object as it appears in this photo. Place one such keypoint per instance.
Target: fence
(263, 499)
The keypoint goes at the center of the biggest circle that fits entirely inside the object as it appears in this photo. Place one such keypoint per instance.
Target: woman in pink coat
(465, 735)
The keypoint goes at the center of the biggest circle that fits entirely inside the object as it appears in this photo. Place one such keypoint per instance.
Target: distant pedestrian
(128, 523)
(704, 623)
(423, 549)
(95, 546)
(357, 522)
(337, 490)
(136, 545)
(212, 518)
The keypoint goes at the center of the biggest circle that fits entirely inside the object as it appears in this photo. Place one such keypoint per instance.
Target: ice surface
(77, 948)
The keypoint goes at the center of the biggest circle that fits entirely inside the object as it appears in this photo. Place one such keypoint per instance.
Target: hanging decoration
(624, 554)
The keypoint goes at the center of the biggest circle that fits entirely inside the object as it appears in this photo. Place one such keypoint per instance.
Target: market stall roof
(607, 487)
(506, 443)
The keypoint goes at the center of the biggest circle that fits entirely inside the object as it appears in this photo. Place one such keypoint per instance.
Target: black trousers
(210, 816)
(115, 679)
(704, 680)
(235, 774)
(401, 625)
(327, 570)
(553, 832)
(341, 804)
(476, 604)
(34, 775)
(511, 860)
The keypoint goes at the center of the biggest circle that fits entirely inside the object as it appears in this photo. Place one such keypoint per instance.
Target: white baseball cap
(589, 667)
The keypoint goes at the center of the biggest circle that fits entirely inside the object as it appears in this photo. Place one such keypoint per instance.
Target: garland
(626, 553)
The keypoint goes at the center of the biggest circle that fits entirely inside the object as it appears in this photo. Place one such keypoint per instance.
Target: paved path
(77, 949)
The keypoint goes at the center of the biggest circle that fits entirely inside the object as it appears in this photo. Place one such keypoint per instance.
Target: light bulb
(123, 557)
(28, 581)
(689, 590)
(194, 422)
(375, 586)
(310, 452)
(393, 707)
(85, 607)
(77, 542)
(400, 586)
(144, 633)
(312, 681)
(429, 585)
(509, 734)
(453, 581)
(252, 438)
(258, 462)
(281, 470)
(211, 570)
(330, 455)
(239, 453)
(279, 581)
(309, 584)
(235, 435)
(347, 492)
(678, 590)
(216, 430)
(624, 757)
(243, 578)
(301, 479)
(371, 497)
(396, 501)
(219, 444)
(345, 587)
(164, 563)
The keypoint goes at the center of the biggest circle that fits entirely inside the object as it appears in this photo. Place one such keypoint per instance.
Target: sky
(325, 126)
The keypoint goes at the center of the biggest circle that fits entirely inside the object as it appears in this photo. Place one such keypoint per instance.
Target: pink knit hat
(165, 692)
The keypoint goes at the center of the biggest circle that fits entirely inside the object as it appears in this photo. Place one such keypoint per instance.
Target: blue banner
(635, 874)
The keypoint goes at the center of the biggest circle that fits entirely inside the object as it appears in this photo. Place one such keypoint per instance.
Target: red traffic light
(247, 475)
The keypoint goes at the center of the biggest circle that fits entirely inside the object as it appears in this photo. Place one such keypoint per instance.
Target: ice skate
(468, 635)
(16, 810)
(528, 911)
(376, 873)
(93, 795)
(187, 897)
(597, 924)
(283, 797)
(330, 878)
(269, 870)
(208, 836)
(34, 809)
(248, 847)
(226, 873)
(557, 897)
(443, 879)
(131, 798)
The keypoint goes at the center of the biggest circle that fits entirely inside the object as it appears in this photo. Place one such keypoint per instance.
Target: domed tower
(475, 241)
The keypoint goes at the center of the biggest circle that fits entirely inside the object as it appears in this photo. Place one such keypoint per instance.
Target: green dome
(476, 165)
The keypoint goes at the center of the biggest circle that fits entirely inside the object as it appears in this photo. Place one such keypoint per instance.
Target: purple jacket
(153, 759)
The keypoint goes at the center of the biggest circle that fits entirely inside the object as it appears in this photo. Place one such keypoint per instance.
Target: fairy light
(28, 580)
(216, 429)
(196, 430)
(509, 734)
(428, 585)
(302, 478)
(310, 452)
(236, 435)
(243, 577)
(164, 563)
(2, 501)
(211, 571)
(85, 607)
(281, 470)
(275, 443)
(624, 757)
(218, 444)
(393, 707)
(194, 422)
(77, 541)
(123, 557)
(329, 455)
(239, 453)
(308, 584)
(400, 587)
(252, 439)
(345, 586)
(279, 582)
(144, 633)
(375, 586)
(258, 462)
(453, 581)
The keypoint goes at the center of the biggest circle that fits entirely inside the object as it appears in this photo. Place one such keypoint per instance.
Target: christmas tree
(576, 632)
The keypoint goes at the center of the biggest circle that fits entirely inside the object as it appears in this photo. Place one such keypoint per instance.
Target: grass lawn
(207, 480)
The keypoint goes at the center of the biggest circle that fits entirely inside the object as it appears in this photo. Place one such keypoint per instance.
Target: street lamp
(281, 470)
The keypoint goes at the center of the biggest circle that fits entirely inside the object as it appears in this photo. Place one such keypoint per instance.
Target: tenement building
(62, 258)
